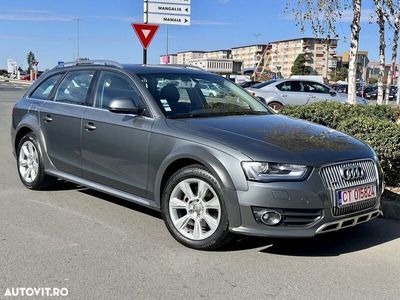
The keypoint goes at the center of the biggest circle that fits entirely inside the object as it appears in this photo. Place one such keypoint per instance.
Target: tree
(394, 11)
(354, 41)
(322, 16)
(341, 74)
(30, 58)
(380, 19)
(299, 66)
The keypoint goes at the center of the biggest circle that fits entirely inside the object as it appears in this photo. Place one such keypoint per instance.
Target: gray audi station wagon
(213, 165)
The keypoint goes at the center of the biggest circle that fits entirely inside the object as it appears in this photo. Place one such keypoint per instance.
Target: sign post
(168, 12)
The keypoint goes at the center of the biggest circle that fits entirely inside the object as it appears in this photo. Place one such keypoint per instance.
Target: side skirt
(105, 189)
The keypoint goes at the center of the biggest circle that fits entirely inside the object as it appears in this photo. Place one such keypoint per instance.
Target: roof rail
(175, 65)
(89, 62)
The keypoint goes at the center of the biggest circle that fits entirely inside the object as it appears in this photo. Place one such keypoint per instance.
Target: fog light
(270, 217)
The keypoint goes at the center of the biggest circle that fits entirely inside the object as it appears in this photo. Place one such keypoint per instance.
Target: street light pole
(77, 20)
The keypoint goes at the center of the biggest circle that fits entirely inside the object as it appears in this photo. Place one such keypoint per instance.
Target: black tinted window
(112, 85)
(74, 88)
(44, 89)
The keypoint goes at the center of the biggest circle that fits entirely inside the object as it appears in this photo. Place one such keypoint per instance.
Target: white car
(281, 92)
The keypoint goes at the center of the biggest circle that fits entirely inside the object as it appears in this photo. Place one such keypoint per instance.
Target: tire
(30, 164)
(196, 218)
(275, 105)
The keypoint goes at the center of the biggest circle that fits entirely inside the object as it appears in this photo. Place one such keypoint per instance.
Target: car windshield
(262, 84)
(187, 96)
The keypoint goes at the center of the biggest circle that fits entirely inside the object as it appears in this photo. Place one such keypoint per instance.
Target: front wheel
(193, 209)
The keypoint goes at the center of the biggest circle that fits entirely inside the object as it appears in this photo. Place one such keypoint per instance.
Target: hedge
(376, 125)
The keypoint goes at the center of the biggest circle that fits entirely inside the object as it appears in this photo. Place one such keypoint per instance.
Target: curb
(391, 209)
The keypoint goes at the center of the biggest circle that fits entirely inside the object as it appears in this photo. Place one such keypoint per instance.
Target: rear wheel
(30, 164)
(193, 209)
(275, 105)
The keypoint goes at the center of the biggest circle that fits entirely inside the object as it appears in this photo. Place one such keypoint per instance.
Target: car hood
(276, 138)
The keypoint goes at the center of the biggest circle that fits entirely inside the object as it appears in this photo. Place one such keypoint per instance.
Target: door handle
(47, 119)
(90, 126)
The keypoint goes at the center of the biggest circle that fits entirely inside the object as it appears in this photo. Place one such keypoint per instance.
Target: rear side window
(44, 89)
(75, 87)
(290, 86)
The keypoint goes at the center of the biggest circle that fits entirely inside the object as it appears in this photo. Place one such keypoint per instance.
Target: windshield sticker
(165, 104)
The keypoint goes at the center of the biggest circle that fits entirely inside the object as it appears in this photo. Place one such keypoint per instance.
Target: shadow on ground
(361, 237)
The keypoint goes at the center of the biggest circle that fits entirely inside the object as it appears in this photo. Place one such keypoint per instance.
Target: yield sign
(145, 33)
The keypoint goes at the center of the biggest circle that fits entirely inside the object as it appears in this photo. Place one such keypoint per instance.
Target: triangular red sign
(145, 33)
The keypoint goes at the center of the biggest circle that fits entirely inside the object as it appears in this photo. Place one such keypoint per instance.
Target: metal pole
(167, 46)
(77, 36)
(146, 20)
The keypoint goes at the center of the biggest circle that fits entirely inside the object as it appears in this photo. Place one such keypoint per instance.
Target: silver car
(212, 166)
(281, 92)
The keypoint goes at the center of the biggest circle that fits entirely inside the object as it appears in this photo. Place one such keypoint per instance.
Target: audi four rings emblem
(352, 173)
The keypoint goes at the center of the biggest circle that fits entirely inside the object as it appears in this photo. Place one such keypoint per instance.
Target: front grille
(333, 181)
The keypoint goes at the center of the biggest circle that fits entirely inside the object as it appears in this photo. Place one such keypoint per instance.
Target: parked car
(248, 84)
(211, 90)
(373, 93)
(211, 166)
(281, 92)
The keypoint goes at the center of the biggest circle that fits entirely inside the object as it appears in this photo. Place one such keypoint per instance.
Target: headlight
(265, 171)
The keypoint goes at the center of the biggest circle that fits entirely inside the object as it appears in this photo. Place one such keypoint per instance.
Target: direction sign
(170, 1)
(145, 33)
(168, 19)
(168, 8)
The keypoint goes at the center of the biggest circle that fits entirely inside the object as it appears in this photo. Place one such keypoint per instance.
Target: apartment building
(218, 54)
(319, 53)
(184, 57)
(362, 62)
(251, 55)
(222, 66)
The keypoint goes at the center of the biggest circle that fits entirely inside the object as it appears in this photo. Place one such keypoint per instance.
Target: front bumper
(306, 207)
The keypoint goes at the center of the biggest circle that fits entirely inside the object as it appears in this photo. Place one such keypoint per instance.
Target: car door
(291, 92)
(61, 121)
(115, 146)
(318, 92)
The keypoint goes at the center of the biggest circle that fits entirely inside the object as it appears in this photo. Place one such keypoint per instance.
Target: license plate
(356, 194)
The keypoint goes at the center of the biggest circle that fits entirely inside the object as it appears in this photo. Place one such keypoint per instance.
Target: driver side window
(113, 85)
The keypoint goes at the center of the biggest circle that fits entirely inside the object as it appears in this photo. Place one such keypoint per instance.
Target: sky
(47, 28)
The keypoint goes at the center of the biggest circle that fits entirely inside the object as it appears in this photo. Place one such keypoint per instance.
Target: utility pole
(77, 20)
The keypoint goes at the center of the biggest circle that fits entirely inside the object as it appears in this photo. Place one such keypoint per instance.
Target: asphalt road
(100, 247)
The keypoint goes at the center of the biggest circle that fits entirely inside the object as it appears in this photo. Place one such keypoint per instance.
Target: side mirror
(123, 105)
(332, 93)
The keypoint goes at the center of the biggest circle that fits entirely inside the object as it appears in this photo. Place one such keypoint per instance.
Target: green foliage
(341, 74)
(374, 124)
(384, 137)
(299, 67)
(373, 80)
(30, 58)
